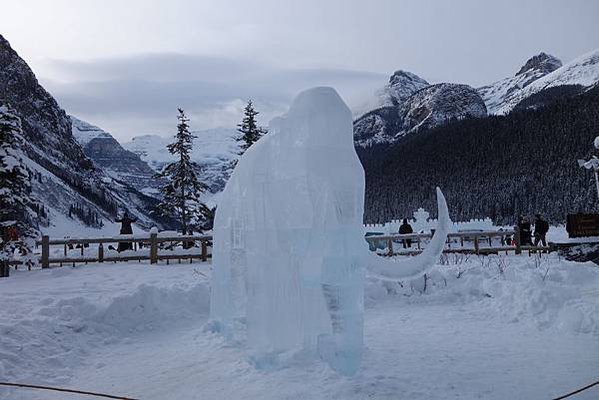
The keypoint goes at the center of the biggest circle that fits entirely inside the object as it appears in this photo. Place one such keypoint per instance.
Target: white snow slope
(583, 71)
(84, 132)
(531, 332)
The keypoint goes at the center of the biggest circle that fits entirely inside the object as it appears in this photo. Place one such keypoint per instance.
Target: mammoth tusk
(414, 267)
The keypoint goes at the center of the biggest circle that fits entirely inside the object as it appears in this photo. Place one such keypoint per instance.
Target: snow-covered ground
(510, 327)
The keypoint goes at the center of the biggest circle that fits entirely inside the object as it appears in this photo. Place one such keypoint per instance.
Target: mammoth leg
(343, 349)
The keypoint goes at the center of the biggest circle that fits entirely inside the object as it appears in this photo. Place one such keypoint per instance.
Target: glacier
(289, 256)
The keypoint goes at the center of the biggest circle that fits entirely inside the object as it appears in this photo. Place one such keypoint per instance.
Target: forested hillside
(501, 166)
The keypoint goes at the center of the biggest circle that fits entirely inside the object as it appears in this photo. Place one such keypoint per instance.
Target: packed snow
(499, 327)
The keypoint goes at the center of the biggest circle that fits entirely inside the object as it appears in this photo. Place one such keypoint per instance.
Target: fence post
(204, 250)
(153, 248)
(4, 269)
(101, 253)
(390, 247)
(45, 251)
(476, 245)
(517, 240)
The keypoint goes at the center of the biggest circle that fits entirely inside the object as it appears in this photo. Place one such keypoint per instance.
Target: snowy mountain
(213, 149)
(62, 174)
(408, 103)
(580, 75)
(542, 78)
(426, 108)
(501, 93)
(46, 127)
(112, 158)
(402, 84)
(84, 132)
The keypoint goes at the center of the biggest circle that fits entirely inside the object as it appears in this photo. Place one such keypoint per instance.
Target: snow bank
(546, 292)
(132, 328)
(60, 316)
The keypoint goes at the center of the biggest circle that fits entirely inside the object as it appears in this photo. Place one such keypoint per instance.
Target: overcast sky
(127, 65)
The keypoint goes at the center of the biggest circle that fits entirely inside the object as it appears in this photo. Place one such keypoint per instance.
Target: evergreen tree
(249, 131)
(182, 190)
(17, 215)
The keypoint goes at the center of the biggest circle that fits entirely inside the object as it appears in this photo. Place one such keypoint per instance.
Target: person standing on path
(126, 229)
(404, 229)
(541, 229)
(525, 231)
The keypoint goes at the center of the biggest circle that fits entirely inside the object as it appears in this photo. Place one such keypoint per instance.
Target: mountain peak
(542, 62)
(402, 84)
(401, 76)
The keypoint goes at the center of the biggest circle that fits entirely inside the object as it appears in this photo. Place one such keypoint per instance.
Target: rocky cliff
(429, 107)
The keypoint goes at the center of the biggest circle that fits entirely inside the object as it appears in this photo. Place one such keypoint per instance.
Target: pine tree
(182, 190)
(17, 215)
(249, 131)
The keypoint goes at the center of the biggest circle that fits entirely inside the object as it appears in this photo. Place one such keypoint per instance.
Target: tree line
(499, 167)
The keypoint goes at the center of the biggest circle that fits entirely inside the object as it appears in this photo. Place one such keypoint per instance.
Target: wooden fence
(473, 242)
(482, 243)
(152, 242)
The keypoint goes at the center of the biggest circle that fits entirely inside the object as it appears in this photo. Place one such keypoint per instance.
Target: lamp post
(592, 163)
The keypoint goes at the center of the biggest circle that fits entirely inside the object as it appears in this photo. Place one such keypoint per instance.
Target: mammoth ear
(414, 267)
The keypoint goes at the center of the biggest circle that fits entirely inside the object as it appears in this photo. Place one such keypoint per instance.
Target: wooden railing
(456, 242)
(472, 242)
(152, 242)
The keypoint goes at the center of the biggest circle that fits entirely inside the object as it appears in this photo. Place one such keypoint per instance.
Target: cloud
(139, 94)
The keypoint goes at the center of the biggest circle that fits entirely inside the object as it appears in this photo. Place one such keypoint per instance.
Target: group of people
(540, 232)
(541, 227)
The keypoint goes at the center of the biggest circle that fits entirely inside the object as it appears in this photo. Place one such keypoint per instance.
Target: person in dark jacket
(525, 231)
(405, 229)
(541, 229)
(126, 229)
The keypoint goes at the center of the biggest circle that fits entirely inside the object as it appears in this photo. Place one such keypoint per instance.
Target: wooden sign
(582, 225)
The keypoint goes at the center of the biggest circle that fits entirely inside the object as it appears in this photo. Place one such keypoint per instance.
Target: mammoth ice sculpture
(289, 253)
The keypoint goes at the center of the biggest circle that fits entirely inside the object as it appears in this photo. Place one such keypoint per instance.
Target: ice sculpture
(289, 253)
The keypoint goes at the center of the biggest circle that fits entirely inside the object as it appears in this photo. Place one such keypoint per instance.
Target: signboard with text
(582, 225)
